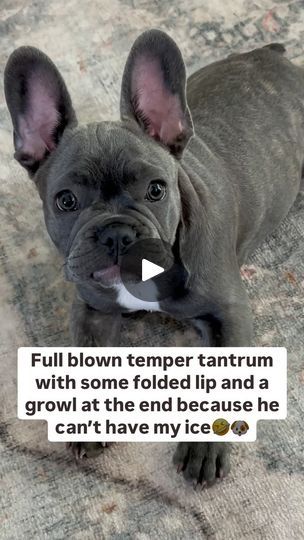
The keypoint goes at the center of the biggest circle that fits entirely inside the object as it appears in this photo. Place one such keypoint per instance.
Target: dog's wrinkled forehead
(110, 157)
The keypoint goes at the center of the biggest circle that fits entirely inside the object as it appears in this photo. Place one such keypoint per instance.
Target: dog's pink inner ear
(155, 105)
(38, 122)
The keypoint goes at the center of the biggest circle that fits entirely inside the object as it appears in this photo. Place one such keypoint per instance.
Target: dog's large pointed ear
(153, 90)
(39, 104)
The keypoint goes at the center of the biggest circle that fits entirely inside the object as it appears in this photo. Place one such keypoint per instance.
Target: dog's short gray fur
(229, 185)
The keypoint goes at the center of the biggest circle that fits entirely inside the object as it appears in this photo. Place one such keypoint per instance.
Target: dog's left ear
(153, 90)
(246, 425)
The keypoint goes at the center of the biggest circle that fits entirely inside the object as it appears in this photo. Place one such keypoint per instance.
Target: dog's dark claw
(200, 486)
(202, 463)
(179, 468)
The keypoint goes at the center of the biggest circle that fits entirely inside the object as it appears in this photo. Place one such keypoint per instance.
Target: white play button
(150, 270)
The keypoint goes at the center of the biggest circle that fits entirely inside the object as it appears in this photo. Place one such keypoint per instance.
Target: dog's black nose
(117, 238)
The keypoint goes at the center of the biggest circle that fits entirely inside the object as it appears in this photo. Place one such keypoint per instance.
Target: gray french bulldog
(208, 166)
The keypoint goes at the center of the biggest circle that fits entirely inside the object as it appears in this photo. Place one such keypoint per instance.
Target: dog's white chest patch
(127, 300)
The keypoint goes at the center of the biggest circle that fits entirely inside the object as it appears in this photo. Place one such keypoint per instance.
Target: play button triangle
(150, 270)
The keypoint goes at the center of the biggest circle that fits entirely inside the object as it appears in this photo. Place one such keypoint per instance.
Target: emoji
(239, 427)
(220, 426)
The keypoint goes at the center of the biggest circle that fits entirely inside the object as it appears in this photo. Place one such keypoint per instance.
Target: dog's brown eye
(156, 191)
(66, 201)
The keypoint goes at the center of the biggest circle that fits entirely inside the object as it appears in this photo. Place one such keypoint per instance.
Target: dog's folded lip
(108, 275)
(115, 275)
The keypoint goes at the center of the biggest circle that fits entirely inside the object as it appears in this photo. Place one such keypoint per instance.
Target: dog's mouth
(108, 276)
(116, 274)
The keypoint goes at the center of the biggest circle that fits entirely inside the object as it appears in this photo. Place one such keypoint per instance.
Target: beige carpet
(132, 490)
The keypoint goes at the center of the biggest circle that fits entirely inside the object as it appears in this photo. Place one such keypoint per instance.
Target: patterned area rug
(132, 490)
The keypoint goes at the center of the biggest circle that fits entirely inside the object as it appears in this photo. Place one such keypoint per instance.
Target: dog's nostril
(126, 241)
(109, 242)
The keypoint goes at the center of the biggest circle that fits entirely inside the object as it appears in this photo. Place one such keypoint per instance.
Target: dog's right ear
(39, 104)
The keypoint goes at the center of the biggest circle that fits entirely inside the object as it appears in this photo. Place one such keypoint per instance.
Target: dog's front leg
(235, 320)
(229, 325)
(91, 328)
(226, 317)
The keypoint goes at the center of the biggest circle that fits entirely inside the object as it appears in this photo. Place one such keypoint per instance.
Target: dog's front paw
(202, 462)
(86, 449)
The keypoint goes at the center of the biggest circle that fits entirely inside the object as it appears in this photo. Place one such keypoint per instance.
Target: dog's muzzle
(98, 247)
